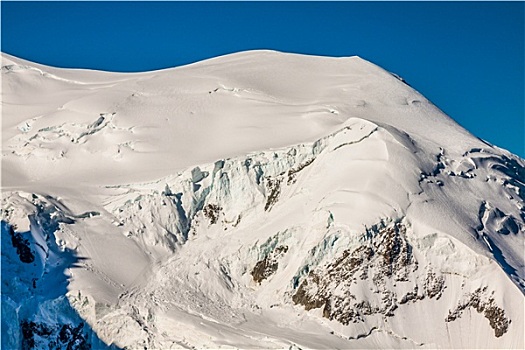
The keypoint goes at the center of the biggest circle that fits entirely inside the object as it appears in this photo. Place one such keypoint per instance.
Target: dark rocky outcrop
(487, 306)
(384, 259)
(212, 212)
(22, 246)
(274, 189)
(268, 265)
(36, 335)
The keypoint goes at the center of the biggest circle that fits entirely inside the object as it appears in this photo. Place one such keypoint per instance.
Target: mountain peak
(257, 199)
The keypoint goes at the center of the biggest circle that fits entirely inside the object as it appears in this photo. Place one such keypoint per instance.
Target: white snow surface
(151, 201)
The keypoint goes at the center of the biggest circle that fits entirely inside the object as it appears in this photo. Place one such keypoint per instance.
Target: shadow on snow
(36, 314)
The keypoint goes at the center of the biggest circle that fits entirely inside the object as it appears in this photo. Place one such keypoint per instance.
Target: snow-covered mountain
(255, 200)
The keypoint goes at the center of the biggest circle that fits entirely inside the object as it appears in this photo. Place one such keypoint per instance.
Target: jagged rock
(212, 212)
(267, 266)
(274, 187)
(22, 245)
(292, 173)
(395, 251)
(411, 296)
(35, 335)
(387, 253)
(434, 285)
(496, 315)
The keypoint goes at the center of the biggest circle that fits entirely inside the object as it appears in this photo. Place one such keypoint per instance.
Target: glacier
(253, 200)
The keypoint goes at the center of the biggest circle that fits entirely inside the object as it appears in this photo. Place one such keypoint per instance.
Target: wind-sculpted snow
(257, 200)
(490, 178)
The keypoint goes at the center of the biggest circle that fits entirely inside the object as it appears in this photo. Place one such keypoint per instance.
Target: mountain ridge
(211, 204)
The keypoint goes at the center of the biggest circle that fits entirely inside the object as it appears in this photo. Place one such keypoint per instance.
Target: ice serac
(254, 200)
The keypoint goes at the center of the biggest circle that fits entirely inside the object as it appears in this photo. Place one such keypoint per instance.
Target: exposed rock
(273, 184)
(496, 315)
(306, 295)
(434, 285)
(395, 252)
(36, 335)
(292, 173)
(385, 255)
(411, 296)
(212, 212)
(22, 245)
(267, 266)
(274, 188)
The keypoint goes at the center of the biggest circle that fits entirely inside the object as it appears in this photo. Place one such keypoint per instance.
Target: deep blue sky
(466, 57)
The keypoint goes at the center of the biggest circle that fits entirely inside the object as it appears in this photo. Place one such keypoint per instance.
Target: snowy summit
(254, 200)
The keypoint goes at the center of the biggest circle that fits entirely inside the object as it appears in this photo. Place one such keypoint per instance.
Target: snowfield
(254, 200)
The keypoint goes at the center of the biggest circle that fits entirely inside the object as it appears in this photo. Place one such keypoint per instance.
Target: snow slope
(254, 200)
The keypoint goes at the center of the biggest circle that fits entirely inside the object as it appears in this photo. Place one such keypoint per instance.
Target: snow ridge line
(223, 192)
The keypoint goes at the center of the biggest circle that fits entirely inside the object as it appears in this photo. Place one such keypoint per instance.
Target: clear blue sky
(466, 57)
